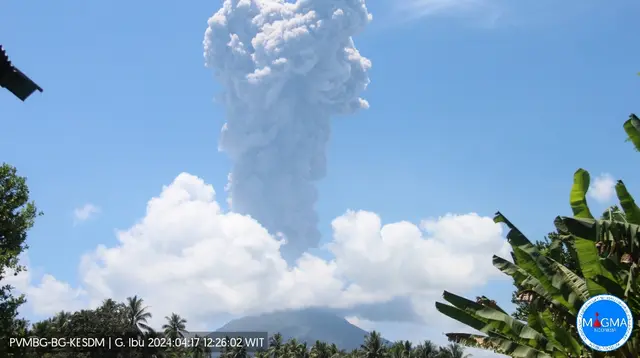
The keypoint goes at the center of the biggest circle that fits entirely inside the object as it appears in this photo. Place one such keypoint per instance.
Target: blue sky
(474, 108)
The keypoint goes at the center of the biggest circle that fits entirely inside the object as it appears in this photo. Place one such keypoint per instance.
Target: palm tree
(408, 348)
(259, 354)
(290, 348)
(238, 352)
(275, 346)
(335, 352)
(109, 305)
(44, 328)
(373, 346)
(320, 350)
(157, 351)
(397, 350)
(175, 326)
(226, 351)
(112, 316)
(302, 351)
(61, 321)
(200, 350)
(427, 349)
(453, 351)
(137, 314)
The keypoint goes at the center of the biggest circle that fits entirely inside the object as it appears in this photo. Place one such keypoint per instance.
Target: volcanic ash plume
(286, 68)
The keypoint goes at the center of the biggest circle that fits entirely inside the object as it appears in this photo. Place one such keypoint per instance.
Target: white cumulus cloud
(187, 255)
(603, 188)
(48, 295)
(85, 212)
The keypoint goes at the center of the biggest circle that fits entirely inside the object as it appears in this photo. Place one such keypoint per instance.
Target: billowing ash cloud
(287, 68)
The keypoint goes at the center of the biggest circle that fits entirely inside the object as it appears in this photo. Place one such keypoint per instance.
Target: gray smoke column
(286, 69)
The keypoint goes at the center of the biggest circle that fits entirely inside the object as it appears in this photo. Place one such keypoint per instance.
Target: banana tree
(549, 284)
(555, 291)
(608, 255)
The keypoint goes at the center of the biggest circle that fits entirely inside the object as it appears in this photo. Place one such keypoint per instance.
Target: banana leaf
(523, 279)
(496, 344)
(557, 333)
(496, 321)
(578, 197)
(631, 210)
(619, 237)
(632, 127)
(553, 280)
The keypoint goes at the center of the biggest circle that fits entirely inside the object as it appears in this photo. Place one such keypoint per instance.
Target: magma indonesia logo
(604, 323)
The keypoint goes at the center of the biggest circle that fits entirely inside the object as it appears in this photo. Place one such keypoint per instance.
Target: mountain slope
(307, 325)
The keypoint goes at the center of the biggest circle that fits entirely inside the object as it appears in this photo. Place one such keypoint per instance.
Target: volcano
(306, 325)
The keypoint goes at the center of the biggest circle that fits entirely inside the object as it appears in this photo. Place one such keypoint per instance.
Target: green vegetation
(632, 127)
(583, 258)
(17, 215)
(130, 319)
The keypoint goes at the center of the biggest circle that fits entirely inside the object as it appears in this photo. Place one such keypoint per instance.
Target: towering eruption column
(286, 69)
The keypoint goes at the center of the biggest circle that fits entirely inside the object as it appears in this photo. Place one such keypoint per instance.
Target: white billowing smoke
(286, 68)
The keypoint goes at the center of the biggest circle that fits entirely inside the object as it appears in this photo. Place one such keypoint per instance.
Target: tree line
(129, 319)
